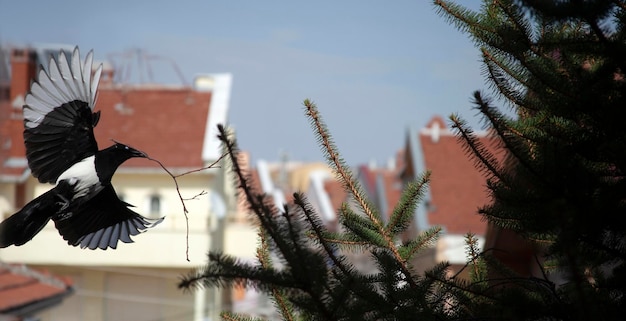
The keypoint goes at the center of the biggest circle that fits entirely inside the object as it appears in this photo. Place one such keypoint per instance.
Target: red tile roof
(457, 188)
(23, 291)
(167, 123)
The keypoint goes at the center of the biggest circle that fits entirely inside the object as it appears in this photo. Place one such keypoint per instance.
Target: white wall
(162, 246)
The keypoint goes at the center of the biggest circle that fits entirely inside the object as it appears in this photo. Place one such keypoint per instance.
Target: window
(155, 205)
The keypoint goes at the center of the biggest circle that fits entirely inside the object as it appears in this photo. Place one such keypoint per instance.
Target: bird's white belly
(84, 172)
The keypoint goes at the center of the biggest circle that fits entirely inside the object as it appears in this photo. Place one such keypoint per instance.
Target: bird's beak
(138, 153)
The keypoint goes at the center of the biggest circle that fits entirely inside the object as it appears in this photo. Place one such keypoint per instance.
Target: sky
(374, 68)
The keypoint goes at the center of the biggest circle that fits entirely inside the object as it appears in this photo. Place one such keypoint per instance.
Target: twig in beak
(180, 196)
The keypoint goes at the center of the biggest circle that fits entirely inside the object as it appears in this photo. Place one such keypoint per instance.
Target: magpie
(61, 149)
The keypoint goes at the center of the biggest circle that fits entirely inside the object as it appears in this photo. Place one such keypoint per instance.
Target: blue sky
(374, 68)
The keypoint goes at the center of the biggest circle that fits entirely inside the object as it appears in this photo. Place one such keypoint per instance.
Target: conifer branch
(420, 242)
(351, 185)
(337, 239)
(283, 305)
(258, 204)
(330, 151)
(464, 20)
(499, 123)
(319, 229)
(474, 256)
(403, 212)
(517, 19)
(483, 158)
(497, 73)
(229, 316)
(263, 255)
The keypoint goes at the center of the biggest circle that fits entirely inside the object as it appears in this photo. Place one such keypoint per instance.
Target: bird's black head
(109, 159)
(127, 151)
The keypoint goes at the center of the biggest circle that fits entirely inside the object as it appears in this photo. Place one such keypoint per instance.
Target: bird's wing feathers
(101, 221)
(58, 116)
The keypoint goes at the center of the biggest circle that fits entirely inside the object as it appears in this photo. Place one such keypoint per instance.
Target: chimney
(23, 70)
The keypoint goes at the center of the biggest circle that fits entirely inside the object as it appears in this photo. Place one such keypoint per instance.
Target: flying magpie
(61, 149)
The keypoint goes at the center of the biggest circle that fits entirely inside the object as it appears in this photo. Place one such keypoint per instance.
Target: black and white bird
(61, 149)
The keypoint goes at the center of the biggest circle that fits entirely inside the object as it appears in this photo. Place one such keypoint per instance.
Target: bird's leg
(65, 192)
(64, 203)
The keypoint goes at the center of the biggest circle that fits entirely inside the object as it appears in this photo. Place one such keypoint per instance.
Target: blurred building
(176, 124)
(25, 292)
(279, 181)
(456, 191)
(316, 180)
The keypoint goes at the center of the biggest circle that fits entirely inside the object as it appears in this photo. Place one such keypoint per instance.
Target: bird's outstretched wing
(101, 221)
(58, 116)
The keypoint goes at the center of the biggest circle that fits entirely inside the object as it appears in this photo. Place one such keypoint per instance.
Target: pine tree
(303, 266)
(559, 65)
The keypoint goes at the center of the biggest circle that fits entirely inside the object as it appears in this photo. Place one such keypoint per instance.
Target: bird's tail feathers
(21, 227)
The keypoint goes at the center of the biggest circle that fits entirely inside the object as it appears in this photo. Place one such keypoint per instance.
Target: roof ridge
(22, 269)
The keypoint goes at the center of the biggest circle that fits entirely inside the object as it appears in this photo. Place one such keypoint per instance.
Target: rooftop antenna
(137, 60)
